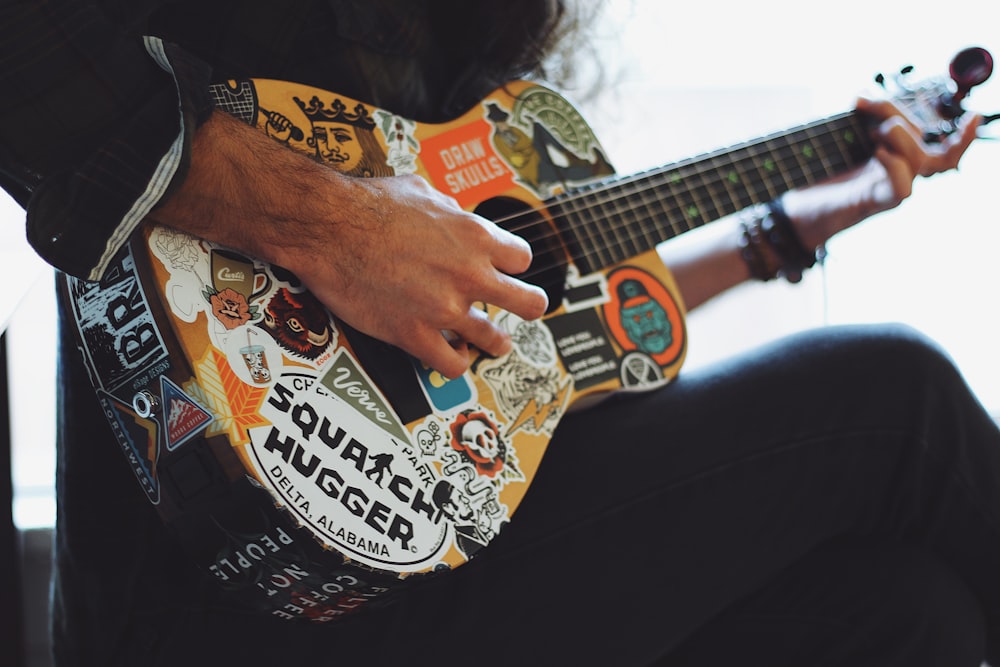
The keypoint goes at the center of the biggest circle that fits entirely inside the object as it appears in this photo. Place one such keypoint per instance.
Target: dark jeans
(830, 499)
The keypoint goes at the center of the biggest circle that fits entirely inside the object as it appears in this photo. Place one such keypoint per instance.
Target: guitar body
(311, 468)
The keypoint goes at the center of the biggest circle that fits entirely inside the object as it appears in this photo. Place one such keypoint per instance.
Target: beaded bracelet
(752, 251)
(770, 245)
(780, 234)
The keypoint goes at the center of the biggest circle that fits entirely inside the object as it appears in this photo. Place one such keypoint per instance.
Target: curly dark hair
(517, 38)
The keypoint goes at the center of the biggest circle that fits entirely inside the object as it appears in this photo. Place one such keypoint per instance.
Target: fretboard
(614, 220)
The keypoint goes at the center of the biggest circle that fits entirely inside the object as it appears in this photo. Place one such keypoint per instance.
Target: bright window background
(684, 78)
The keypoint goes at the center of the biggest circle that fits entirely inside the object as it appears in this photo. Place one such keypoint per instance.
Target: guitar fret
(626, 245)
(607, 231)
(646, 201)
(764, 166)
(698, 210)
(823, 166)
(589, 224)
(735, 187)
(571, 228)
(787, 165)
(717, 191)
(688, 206)
(839, 154)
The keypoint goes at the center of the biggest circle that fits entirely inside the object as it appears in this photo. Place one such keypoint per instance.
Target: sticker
(443, 393)
(237, 98)
(254, 357)
(639, 371)
(341, 136)
(643, 316)
(476, 436)
(463, 164)
(584, 348)
(531, 339)
(474, 521)
(330, 459)
(233, 403)
(347, 381)
(587, 292)
(184, 417)
(530, 397)
(300, 324)
(545, 141)
(114, 320)
(476, 462)
(398, 134)
(137, 438)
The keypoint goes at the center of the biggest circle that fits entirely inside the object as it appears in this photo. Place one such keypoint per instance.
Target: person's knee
(896, 348)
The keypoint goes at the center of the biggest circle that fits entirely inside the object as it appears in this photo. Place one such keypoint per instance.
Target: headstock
(937, 104)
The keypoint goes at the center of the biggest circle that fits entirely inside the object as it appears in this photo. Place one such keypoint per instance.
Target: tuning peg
(970, 67)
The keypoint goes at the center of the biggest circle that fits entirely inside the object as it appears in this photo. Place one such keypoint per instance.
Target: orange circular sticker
(643, 315)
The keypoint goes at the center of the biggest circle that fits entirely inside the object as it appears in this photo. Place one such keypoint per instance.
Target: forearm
(708, 261)
(248, 192)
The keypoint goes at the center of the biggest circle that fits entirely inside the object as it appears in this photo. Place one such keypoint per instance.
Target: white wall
(690, 77)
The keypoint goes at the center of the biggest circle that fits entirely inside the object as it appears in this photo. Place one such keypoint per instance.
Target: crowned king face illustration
(344, 138)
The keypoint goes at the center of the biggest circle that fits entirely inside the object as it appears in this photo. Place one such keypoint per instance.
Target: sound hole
(548, 264)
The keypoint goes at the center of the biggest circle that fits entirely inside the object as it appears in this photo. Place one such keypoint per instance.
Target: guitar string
(590, 199)
(830, 155)
(658, 177)
(606, 237)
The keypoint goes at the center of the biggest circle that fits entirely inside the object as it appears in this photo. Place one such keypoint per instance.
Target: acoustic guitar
(313, 470)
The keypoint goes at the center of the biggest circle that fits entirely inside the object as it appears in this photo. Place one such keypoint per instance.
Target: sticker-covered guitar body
(311, 468)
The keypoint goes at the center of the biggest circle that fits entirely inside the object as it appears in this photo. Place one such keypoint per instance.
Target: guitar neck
(611, 221)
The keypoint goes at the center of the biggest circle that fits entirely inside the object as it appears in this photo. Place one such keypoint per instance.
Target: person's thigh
(848, 605)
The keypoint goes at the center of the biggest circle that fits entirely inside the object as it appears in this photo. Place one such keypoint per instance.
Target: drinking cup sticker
(256, 360)
(255, 357)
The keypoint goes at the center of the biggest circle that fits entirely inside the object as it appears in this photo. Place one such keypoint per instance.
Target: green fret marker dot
(769, 165)
(693, 212)
(849, 137)
(733, 177)
(808, 151)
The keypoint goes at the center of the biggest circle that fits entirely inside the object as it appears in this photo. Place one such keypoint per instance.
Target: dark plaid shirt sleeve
(94, 127)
